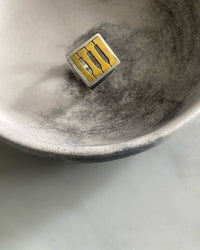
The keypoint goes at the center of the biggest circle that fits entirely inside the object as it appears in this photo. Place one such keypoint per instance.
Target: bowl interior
(41, 102)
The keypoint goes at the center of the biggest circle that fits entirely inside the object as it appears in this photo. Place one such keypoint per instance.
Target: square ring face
(93, 60)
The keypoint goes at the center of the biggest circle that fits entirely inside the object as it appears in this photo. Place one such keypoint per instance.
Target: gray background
(150, 201)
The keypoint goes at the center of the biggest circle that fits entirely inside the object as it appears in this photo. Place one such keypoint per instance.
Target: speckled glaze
(155, 90)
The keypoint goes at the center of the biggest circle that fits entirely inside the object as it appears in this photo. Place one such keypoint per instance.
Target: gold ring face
(93, 60)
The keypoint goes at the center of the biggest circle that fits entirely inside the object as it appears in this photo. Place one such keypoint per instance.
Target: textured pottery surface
(155, 90)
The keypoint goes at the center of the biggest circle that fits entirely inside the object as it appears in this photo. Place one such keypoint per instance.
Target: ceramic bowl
(45, 110)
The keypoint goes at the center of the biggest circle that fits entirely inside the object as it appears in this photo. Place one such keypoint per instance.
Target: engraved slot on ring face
(89, 77)
(101, 53)
(94, 60)
(85, 65)
(104, 65)
(98, 41)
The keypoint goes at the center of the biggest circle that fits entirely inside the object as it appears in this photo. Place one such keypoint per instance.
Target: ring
(93, 60)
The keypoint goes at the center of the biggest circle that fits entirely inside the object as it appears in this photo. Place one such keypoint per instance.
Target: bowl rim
(102, 152)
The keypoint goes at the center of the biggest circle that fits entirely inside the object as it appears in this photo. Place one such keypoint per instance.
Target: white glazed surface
(150, 201)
